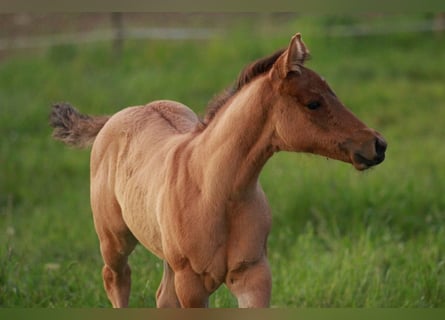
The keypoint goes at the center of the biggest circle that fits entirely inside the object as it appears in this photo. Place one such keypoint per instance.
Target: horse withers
(187, 189)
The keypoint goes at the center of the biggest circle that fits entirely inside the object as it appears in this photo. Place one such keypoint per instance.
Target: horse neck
(237, 142)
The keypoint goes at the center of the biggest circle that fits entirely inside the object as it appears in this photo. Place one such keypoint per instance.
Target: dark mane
(249, 73)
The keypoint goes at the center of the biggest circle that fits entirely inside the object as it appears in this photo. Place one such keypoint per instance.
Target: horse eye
(313, 105)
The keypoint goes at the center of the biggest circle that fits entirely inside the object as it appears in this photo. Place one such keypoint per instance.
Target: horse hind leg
(166, 294)
(116, 272)
(116, 244)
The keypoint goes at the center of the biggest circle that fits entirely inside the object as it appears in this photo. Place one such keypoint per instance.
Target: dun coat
(188, 189)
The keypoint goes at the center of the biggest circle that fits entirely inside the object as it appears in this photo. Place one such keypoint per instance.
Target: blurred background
(32, 30)
(340, 238)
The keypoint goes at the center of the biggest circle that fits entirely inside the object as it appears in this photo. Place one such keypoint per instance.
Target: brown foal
(188, 189)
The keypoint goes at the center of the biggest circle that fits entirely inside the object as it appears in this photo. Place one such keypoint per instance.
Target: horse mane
(249, 73)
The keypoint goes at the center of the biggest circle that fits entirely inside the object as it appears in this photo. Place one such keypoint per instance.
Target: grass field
(340, 238)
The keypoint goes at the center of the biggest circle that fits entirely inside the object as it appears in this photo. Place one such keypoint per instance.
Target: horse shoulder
(249, 222)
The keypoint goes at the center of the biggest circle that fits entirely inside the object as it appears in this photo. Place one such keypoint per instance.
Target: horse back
(132, 130)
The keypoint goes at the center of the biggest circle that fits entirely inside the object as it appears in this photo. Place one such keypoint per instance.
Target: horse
(187, 188)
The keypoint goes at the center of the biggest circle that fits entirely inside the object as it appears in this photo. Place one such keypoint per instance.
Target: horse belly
(138, 196)
(146, 230)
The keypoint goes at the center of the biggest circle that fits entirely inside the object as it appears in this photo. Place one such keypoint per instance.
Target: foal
(188, 190)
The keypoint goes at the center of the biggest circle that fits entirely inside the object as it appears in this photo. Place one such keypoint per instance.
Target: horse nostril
(380, 146)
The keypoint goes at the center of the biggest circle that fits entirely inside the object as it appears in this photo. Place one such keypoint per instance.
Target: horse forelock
(247, 75)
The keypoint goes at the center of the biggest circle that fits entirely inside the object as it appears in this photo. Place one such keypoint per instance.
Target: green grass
(340, 238)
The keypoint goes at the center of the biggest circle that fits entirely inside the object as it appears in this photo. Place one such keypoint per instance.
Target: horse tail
(73, 128)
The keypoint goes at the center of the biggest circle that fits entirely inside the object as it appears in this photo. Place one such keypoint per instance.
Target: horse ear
(297, 53)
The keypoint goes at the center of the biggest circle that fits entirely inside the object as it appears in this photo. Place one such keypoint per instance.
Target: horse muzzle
(366, 149)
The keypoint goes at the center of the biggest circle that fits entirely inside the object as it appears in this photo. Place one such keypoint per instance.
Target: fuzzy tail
(73, 128)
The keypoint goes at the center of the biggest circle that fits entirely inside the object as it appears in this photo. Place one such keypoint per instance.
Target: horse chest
(213, 242)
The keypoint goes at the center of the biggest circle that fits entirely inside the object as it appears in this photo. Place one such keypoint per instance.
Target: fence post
(439, 23)
(118, 29)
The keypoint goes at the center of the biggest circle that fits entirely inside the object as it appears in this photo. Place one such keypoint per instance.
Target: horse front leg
(190, 289)
(251, 284)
